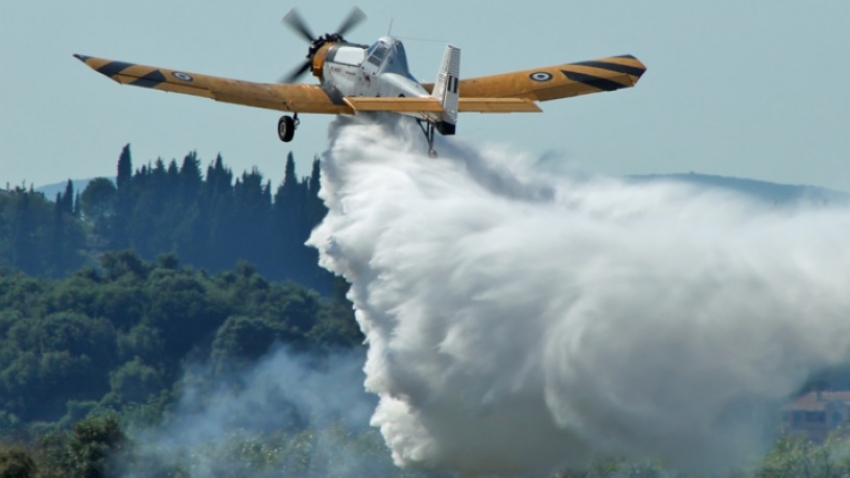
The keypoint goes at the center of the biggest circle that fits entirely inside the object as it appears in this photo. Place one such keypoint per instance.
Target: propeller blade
(294, 21)
(354, 18)
(296, 73)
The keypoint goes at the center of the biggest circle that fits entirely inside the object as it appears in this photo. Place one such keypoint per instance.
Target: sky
(750, 89)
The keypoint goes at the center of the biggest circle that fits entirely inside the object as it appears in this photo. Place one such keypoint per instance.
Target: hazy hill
(766, 191)
(50, 190)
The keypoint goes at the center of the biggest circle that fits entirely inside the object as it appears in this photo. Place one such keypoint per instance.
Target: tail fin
(446, 90)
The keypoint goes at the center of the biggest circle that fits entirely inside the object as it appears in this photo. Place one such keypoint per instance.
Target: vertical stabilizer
(446, 90)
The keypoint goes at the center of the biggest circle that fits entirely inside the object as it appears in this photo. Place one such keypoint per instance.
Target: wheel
(286, 128)
(432, 153)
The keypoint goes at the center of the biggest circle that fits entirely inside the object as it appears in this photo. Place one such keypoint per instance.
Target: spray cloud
(519, 321)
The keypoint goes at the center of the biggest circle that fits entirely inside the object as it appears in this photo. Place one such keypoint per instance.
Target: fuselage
(377, 71)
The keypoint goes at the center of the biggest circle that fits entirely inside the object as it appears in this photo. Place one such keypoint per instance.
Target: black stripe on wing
(615, 67)
(114, 67)
(150, 80)
(603, 84)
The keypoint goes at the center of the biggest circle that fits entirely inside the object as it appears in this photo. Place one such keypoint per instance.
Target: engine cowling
(319, 60)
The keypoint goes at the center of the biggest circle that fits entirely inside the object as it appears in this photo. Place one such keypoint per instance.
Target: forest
(106, 295)
(210, 220)
(120, 300)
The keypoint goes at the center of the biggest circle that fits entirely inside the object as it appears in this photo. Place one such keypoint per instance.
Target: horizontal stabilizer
(498, 105)
(395, 105)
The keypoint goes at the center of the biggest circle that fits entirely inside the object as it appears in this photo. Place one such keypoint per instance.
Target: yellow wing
(295, 98)
(553, 82)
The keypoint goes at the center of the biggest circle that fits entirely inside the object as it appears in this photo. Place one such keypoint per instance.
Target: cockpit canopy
(388, 55)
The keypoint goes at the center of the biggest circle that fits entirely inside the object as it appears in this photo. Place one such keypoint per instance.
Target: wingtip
(82, 58)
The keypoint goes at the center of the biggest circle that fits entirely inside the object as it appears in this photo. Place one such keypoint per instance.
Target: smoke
(520, 320)
(288, 415)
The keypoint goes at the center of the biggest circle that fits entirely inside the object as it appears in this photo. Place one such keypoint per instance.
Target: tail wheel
(286, 128)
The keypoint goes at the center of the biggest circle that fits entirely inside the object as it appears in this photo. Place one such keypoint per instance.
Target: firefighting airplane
(356, 78)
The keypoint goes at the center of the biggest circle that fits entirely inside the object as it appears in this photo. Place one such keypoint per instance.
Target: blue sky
(752, 89)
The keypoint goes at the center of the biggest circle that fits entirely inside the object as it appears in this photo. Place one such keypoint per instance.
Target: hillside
(762, 190)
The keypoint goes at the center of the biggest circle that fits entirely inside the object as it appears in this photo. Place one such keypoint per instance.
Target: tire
(286, 128)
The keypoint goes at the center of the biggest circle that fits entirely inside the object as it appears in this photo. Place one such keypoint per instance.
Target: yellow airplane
(356, 78)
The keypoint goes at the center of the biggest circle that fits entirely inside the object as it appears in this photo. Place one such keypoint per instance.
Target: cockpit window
(378, 53)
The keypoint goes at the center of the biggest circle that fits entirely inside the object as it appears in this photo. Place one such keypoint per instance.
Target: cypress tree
(125, 169)
(124, 202)
(57, 245)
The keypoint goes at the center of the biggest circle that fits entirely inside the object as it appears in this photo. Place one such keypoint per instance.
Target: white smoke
(519, 320)
(288, 415)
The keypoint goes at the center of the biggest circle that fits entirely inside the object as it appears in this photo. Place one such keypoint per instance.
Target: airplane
(355, 78)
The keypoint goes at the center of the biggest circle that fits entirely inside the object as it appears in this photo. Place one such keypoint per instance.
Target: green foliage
(16, 462)
(117, 335)
(142, 341)
(244, 339)
(37, 236)
(332, 451)
(211, 221)
(120, 337)
(133, 382)
(93, 442)
(97, 204)
(794, 456)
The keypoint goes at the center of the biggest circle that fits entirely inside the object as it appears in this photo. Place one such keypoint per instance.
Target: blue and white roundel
(540, 76)
(181, 76)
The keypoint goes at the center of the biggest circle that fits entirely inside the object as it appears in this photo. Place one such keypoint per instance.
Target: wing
(295, 98)
(553, 82)
(426, 105)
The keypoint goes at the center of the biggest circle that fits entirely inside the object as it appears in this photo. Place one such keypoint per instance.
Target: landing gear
(428, 131)
(286, 127)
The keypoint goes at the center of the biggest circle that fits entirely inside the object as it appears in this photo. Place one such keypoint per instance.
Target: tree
(93, 442)
(68, 198)
(133, 382)
(125, 169)
(38, 237)
(16, 463)
(57, 242)
(118, 230)
(122, 263)
(97, 202)
(243, 339)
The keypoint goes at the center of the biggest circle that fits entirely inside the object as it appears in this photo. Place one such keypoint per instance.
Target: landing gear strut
(428, 131)
(286, 127)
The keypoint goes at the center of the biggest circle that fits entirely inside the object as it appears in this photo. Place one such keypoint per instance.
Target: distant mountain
(50, 190)
(763, 190)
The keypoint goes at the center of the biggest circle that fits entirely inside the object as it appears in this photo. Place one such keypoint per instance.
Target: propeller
(295, 22)
(355, 17)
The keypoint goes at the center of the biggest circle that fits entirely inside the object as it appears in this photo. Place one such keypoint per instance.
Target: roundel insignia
(540, 76)
(184, 76)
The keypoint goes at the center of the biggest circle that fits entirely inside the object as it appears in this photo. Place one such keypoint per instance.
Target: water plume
(520, 319)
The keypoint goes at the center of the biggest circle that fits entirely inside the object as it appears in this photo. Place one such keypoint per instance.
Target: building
(816, 414)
